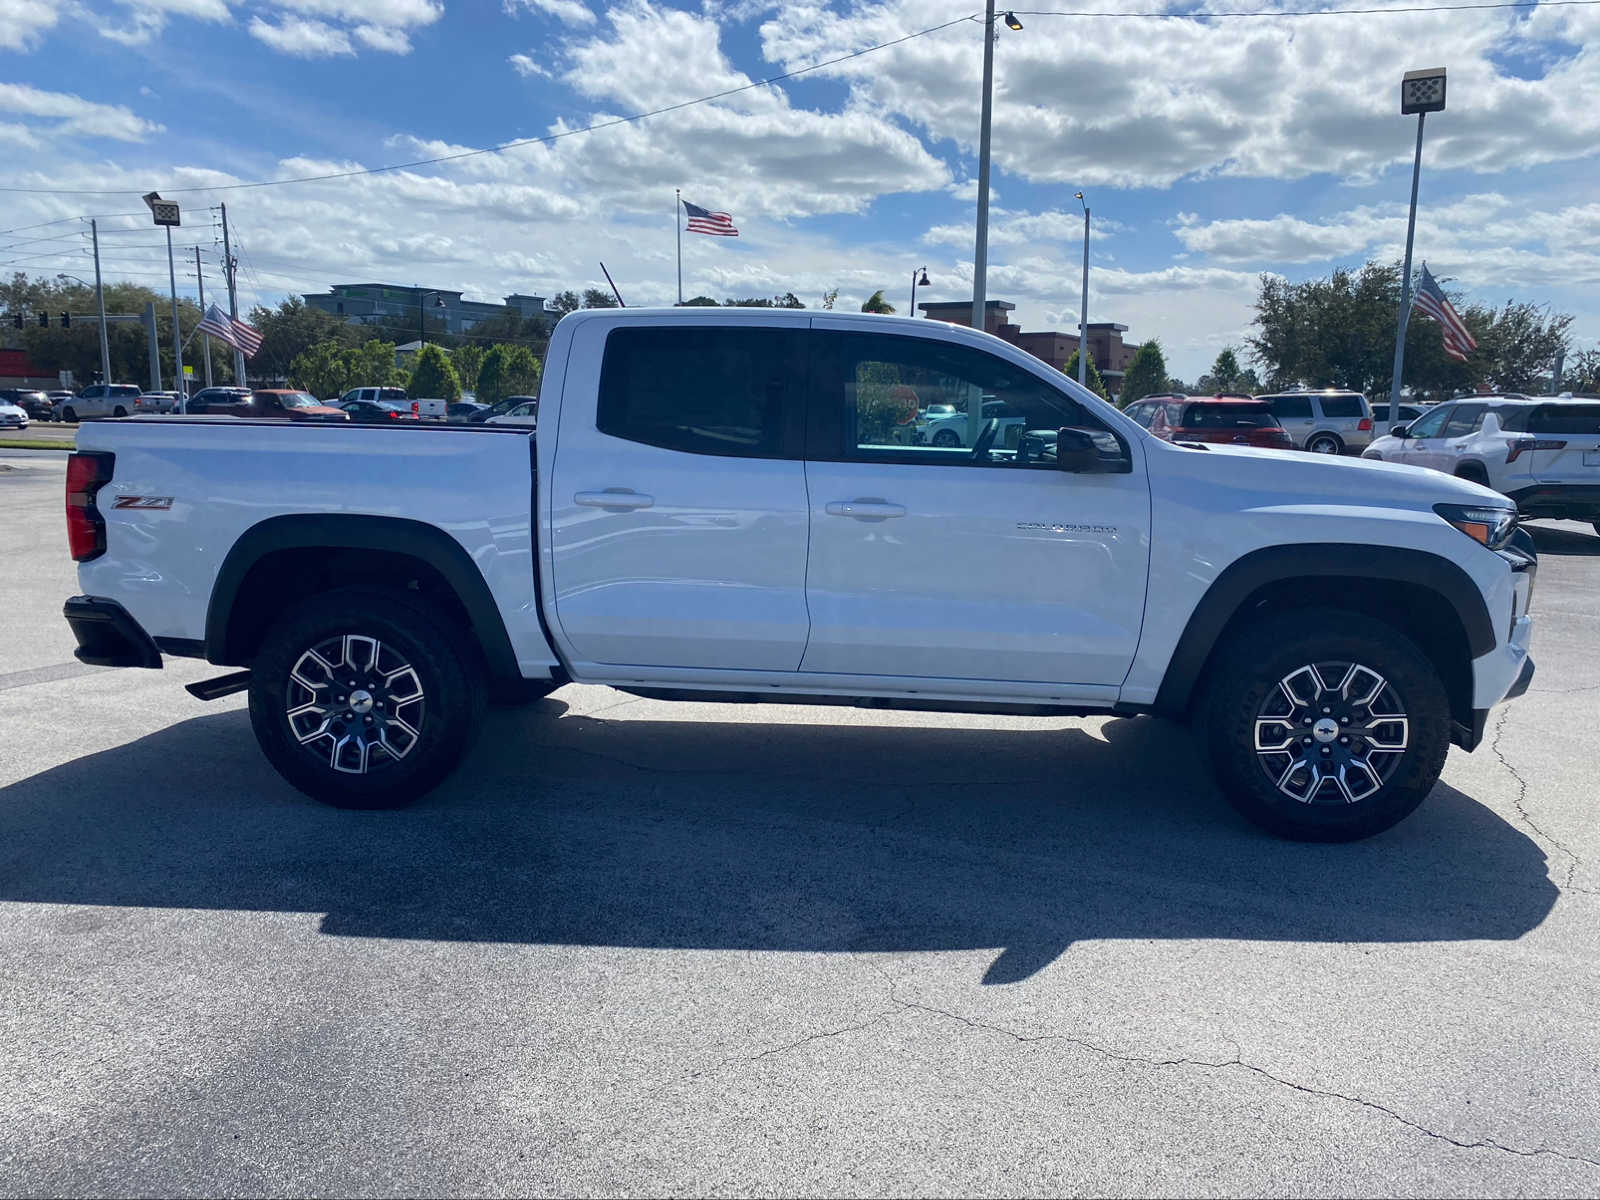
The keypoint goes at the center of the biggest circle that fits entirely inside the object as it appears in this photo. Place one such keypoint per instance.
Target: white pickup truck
(715, 505)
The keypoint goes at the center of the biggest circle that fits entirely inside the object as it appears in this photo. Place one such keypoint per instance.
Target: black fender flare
(400, 536)
(1246, 576)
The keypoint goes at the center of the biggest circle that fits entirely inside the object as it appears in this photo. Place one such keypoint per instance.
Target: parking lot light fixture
(165, 213)
(1421, 92)
(916, 283)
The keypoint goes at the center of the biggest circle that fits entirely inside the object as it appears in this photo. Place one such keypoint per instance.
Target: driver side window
(1429, 426)
(892, 395)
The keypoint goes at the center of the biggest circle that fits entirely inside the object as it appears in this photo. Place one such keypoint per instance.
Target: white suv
(1544, 452)
(1325, 422)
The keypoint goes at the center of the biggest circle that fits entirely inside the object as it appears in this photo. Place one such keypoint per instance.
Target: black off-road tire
(69, 415)
(446, 671)
(1246, 684)
(119, 411)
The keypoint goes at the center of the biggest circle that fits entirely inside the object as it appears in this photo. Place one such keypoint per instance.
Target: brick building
(1106, 348)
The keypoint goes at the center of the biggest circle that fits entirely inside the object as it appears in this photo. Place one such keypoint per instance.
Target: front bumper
(1559, 501)
(107, 634)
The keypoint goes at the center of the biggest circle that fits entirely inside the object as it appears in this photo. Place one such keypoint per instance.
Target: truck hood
(1314, 477)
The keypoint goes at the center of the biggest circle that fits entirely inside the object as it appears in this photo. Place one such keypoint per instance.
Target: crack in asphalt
(1237, 1063)
(1574, 862)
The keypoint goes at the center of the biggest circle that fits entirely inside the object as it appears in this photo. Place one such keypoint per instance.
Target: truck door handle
(616, 499)
(864, 510)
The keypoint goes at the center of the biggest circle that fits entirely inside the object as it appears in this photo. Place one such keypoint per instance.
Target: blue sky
(1209, 151)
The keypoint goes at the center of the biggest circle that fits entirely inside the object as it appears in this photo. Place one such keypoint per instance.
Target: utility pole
(100, 301)
(228, 268)
(980, 252)
(205, 338)
(1083, 309)
(1421, 92)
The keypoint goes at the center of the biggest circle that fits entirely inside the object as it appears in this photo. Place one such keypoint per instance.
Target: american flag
(1430, 298)
(702, 220)
(236, 333)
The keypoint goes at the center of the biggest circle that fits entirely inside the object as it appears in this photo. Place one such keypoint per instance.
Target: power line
(1203, 15)
(513, 145)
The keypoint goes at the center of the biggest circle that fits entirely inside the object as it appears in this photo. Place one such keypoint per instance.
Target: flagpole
(677, 228)
(1405, 279)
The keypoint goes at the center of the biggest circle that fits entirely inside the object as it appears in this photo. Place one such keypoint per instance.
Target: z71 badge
(143, 502)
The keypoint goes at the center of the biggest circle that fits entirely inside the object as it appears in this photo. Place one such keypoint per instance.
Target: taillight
(1521, 444)
(87, 473)
(1365, 425)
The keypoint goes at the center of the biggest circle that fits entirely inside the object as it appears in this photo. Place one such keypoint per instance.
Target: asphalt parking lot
(645, 948)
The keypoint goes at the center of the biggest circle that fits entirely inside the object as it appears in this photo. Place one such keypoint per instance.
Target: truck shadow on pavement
(760, 835)
(1564, 542)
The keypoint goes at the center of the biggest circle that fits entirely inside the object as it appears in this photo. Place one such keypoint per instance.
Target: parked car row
(1543, 452)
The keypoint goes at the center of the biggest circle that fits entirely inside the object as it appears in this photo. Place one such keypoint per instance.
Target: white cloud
(24, 22)
(18, 135)
(1091, 102)
(526, 66)
(147, 18)
(381, 37)
(389, 14)
(74, 115)
(302, 38)
(569, 12)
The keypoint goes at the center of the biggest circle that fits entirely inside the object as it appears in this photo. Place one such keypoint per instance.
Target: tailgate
(1569, 443)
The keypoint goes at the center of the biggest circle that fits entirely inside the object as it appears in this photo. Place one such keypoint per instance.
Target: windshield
(299, 400)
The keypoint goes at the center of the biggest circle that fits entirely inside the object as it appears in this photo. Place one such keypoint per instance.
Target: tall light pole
(438, 302)
(1421, 92)
(980, 250)
(1083, 308)
(165, 213)
(923, 271)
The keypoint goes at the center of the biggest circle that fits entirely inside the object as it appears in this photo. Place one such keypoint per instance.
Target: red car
(1234, 420)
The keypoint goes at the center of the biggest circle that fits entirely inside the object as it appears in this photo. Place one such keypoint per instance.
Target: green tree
(432, 377)
(1147, 373)
(1095, 384)
(700, 302)
(466, 360)
(562, 303)
(1581, 374)
(875, 303)
(372, 364)
(596, 298)
(1226, 375)
(508, 371)
(787, 300)
(288, 331)
(322, 370)
(829, 299)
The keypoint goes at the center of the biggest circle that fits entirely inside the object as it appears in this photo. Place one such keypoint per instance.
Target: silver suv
(1325, 422)
(100, 400)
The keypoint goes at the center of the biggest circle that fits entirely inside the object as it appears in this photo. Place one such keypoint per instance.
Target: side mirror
(1076, 451)
(1400, 431)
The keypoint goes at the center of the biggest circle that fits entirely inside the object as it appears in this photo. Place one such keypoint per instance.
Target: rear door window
(1464, 420)
(1291, 406)
(1340, 407)
(737, 391)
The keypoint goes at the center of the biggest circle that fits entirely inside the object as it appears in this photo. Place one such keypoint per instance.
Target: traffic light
(66, 320)
(44, 320)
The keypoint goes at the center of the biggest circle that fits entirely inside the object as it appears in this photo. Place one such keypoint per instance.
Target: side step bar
(223, 685)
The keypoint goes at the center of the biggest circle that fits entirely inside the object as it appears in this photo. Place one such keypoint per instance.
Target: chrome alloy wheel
(1331, 733)
(354, 704)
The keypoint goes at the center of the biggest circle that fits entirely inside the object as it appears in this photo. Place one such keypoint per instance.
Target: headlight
(1487, 524)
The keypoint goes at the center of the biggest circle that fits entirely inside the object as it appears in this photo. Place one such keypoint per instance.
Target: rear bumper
(107, 634)
(1579, 501)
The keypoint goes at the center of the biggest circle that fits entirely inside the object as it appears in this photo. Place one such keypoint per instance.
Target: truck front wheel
(365, 697)
(1325, 726)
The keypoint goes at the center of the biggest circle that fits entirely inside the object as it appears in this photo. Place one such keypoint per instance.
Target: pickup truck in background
(717, 505)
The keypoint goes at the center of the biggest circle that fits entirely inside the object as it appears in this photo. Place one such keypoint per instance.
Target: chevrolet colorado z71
(729, 504)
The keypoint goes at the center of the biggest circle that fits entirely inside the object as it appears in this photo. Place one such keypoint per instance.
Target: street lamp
(1421, 92)
(923, 271)
(438, 302)
(1083, 309)
(165, 213)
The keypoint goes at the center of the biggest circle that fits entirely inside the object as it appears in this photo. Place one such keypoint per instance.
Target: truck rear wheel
(1336, 732)
(365, 697)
